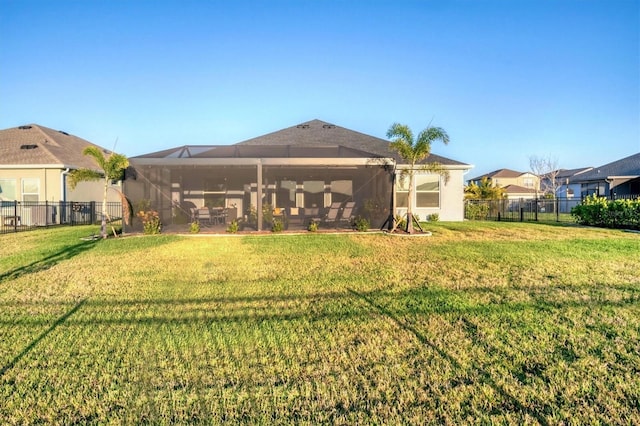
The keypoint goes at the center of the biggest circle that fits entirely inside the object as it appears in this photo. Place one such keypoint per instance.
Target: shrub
(313, 226)
(361, 224)
(194, 227)
(278, 225)
(598, 211)
(475, 211)
(233, 227)
(435, 217)
(150, 222)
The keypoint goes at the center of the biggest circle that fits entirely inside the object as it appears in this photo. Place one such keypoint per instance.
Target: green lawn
(480, 323)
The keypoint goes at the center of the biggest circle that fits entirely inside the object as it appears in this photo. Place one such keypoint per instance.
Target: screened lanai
(257, 184)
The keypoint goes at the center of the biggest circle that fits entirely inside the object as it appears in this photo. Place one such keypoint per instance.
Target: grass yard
(489, 322)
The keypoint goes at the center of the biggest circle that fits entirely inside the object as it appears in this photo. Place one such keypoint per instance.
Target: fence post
(521, 214)
(15, 215)
(92, 212)
(535, 215)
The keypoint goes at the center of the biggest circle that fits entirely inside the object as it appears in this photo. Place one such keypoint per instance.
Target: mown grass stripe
(38, 339)
(483, 373)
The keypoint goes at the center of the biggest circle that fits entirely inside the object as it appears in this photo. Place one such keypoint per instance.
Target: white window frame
(8, 182)
(428, 178)
(26, 193)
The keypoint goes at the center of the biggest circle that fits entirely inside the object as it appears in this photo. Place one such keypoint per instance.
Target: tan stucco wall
(520, 180)
(50, 186)
(92, 191)
(49, 182)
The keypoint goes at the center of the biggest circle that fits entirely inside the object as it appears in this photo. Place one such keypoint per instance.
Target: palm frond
(115, 165)
(402, 132)
(82, 175)
(97, 154)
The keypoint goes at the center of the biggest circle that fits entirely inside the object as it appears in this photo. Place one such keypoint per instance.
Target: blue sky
(507, 79)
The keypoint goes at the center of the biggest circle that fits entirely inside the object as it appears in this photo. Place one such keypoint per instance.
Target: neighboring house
(35, 162)
(616, 179)
(300, 171)
(516, 184)
(565, 184)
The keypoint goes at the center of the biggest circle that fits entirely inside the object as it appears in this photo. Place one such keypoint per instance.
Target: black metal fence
(522, 210)
(16, 216)
(527, 210)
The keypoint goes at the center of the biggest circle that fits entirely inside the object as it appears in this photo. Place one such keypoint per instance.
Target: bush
(150, 222)
(194, 227)
(361, 224)
(278, 225)
(233, 227)
(598, 211)
(313, 226)
(476, 211)
(433, 217)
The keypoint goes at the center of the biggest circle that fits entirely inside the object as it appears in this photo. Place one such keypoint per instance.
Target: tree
(546, 168)
(111, 168)
(484, 191)
(414, 151)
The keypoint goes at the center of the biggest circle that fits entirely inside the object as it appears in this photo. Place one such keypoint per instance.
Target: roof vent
(32, 146)
(328, 126)
(64, 133)
(24, 127)
(302, 126)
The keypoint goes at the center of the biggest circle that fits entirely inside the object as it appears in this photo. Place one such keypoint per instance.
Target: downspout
(63, 193)
(63, 185)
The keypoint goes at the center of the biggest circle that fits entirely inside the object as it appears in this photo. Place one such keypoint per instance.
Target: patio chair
(332, 214)
(347, 212)
(204, 215)
(219, 216)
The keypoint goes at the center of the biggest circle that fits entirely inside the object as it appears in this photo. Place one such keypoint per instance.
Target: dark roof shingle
(317, 132)
(628, 166)
(38, 145)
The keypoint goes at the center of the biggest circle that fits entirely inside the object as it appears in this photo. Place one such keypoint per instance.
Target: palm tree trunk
(103, 224)
(410, 204)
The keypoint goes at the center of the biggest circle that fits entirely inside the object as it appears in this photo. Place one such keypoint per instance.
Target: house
(35, 162)
(516, 184)
(563, 181)
(619, 178)
(299, 172)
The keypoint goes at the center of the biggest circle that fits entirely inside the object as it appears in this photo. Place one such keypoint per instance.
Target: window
(341, 190)
(427, 191)
(214, 193)
(313, 193)
(528, 182)
(286, 196)
(402, 192)
(8, 189)
(30, 189)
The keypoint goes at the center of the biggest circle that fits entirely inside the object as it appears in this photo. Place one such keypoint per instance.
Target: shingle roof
(317, 132)
(628, 166)
(568, 173)
(501, 173)
(38, 145)
(516, 189)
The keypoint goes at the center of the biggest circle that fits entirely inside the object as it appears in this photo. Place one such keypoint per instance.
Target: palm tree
(112, 168)
(483, 191)
(414, 152)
